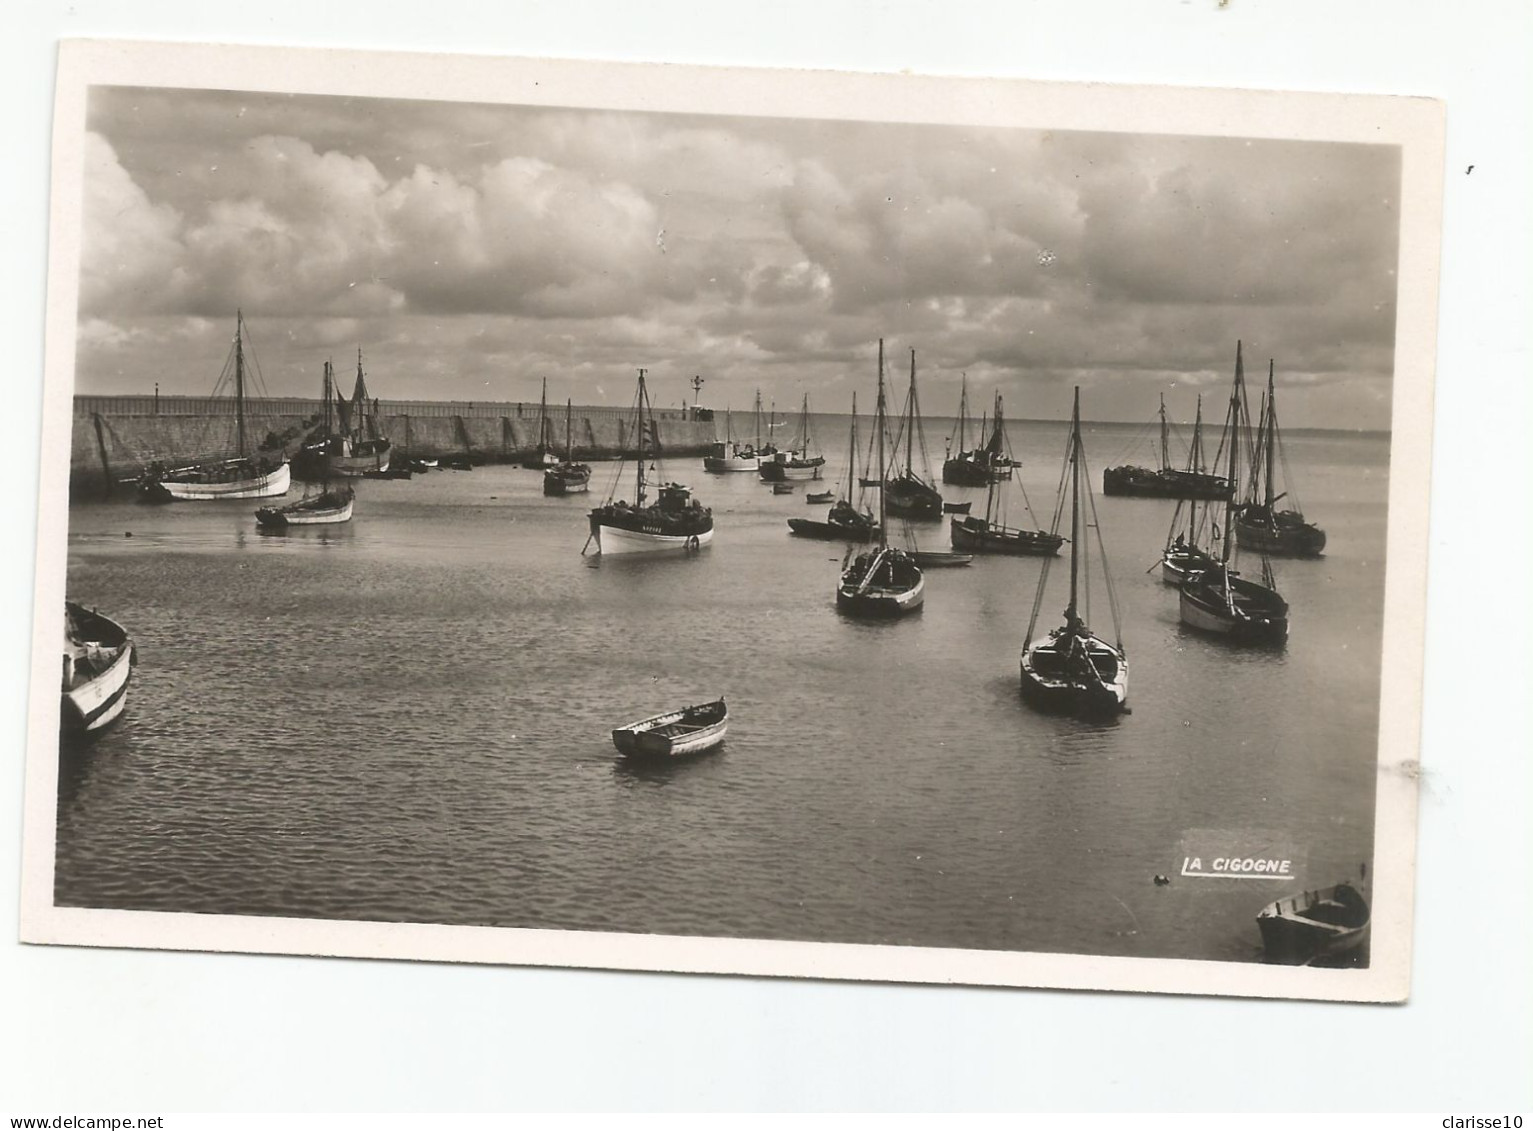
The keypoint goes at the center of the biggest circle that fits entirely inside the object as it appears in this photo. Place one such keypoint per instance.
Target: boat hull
(560, 482)
(975, 535)
(1050, 688)
(265, 486)
(723, 464)
(359, 464)
(1284, 539)
(618, 540)
(962, 472)
(831, 531)
(1176, 569)
(903, 592)
(774, 472)
(1147, 483)
(1330, 923)
(277, 518)
(92, 704)
(677, 734)
(1263, 620)
(912, 501)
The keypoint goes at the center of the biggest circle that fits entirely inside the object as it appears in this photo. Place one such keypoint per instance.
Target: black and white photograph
(852, 527)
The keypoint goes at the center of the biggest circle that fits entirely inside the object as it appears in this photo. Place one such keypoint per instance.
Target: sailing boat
(354, 446)
(1219, 600)
(1184, 557)
(1165, 481)
(726, 454)
(331, 505)
(844, 522)
(543, 457)
(796, 463)
(990, 535)
(234, 476)
(1260, 525)
(982, 466)
(908, 494)
(883, 582)
(567, 477)
(1072, 669)
(675, 521)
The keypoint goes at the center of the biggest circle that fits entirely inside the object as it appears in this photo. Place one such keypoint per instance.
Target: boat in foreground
(676, 734)
(675, 521)
(1315, 925)
(98, 661)
(1072, 670)
(329, 507)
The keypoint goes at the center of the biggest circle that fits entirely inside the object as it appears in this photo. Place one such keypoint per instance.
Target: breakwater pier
(116, 437)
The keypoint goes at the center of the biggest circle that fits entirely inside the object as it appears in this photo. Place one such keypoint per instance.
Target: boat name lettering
(1237, 866)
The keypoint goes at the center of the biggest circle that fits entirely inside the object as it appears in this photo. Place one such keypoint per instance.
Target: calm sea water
(407, 719)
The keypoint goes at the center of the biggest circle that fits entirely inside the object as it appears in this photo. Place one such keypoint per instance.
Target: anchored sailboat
(1185, 556)
(236, 475)
(1072, 669)
(350, 442)
(844, 522)
(675, 521)
(908, 494)
(543, 456)
(727, 454)
(990, 535)
(1260, 525)
(567, 477)
(796, 463)
(883, 582)
(983, 465)
(1164, 481)
(1218, 600)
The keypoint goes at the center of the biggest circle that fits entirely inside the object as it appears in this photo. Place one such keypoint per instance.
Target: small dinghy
(98, 661)
(929, 559)
(782, 488)
(957, 508)
(1315, 926)
(815, 497)
(676, 734)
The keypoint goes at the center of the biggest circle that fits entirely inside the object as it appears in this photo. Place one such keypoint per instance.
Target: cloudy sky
(471, 251)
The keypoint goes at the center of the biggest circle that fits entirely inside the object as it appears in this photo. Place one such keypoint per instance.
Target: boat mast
(1195, 459)
(758, 420)
(803, 421)
(992, 515)
(329, 386)
(878, 423)
(543, 420)
(569, 434)
(643, 400)
(239, 381)
(1271, 440)
(851, 471)
(1229, 503)
(910, 424)
(963, 410)
(1165, 448)
(1075, 506)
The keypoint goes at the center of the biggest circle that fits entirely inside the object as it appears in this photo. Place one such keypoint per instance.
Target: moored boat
(1314, 926)
(883, 581)
(331, 506)
(237, 476)
(981, 466)
(796, 463)
(675, 521)
(1218, 600)
(349, 443)
(819, 497)
(844, 522)
(782, 488)
(907, 493)
(991, 535)
(1072, 670)
(675, 734)
(543, 457)
(98, 663)
(567, 477)
(1164, 481)
(939, 559)
(1184, 556)
(1259, 524)
(728, 454)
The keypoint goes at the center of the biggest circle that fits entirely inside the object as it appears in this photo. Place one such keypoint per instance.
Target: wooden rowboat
(676, 734)
(1315, 925)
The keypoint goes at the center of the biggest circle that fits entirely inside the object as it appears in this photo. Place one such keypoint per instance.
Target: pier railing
(150, 405)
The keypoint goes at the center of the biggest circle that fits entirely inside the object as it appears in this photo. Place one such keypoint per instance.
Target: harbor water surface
(407, 718)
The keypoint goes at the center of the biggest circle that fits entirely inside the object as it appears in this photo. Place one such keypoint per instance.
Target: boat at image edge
(98, 663)
(1316, 926)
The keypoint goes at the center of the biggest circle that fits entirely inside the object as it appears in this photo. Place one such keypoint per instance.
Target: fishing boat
(796, 463)
(844, 522)
(1317, 925)
(98, 662)
(908, 494)
(675, 734)
(782, 488)
(819, 497)
(728, 455)
(981, 466)
(939, 559)
(330, 506)
(1072, 670)
(568, 477)
(1164, 481)
(543, 456)
(991, 535)
(1184, 556)
(883, 581)
(1218, 600)
(1259, 525)
(675, 521)
(349, 443)
(239, 475)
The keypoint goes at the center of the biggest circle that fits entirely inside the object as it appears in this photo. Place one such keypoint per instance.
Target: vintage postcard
(769, 523)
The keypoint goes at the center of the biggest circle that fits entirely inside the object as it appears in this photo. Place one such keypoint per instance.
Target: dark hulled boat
(991, 535)
(796, 463)
(1184, 556)
(980, 466)
(906, 493)
(1072, 670)
(1165, 481)
(882, 581)
(675, 521)
(1315, 926)
(349, 444)
(567, 477)
(843, 522)
(1218, 600)
(543, 457)
(1259, 524)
